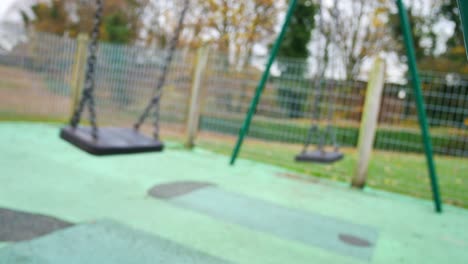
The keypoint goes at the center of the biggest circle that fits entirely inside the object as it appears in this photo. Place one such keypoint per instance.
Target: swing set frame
(416, 84)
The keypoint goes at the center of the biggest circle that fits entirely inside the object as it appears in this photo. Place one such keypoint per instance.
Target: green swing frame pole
(416, 83)
(261, 85)
(463, 8)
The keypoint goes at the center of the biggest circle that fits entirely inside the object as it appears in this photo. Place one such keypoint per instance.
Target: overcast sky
(9, 9)
(4, 5)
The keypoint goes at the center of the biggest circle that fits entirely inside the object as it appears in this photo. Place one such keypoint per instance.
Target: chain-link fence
(35, 79)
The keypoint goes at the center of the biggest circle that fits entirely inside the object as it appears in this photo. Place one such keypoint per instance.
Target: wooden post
(369, 120)
(194, 110)
(78, 71)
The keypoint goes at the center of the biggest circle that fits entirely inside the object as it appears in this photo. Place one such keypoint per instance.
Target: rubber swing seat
(319, 156)
(110, 141)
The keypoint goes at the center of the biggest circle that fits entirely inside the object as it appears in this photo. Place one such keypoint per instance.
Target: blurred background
(321, 73)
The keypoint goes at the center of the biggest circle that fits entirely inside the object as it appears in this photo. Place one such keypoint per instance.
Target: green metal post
(419, 103)
(261, 85)
(463, 8)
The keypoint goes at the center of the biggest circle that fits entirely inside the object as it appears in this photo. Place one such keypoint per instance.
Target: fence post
(79, 67)
(369, 120)
(194, 110)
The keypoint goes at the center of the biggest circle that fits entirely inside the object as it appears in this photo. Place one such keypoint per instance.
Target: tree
(292, 80)
(299, 32)
(50, 18)
(356, 30)
(448, 9)
(450, 88)
(121, 19)
(256, 27)
(453, 58)
(397, 33)
(156, 26)
(233, 26)
(429, 57)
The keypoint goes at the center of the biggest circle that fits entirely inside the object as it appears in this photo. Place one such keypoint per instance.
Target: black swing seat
(110, 141)
(319, 156)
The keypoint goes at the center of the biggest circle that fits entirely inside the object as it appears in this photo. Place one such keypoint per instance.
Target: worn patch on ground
(19, 226)
(174, 189)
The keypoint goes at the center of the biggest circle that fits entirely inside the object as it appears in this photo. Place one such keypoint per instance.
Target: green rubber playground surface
(191, 207)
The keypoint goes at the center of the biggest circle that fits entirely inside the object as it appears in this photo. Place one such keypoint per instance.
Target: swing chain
(88, 91)
(155, 101)
(318, 85)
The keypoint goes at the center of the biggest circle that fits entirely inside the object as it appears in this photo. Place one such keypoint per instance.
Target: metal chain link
(329, 131)
(318, 86)
(87, 96)
(155, 101)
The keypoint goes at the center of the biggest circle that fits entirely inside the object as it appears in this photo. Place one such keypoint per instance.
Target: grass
(395, 172)
(387, 138)
(6, 116)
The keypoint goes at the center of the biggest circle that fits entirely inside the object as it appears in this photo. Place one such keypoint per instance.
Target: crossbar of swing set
(416, 84)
